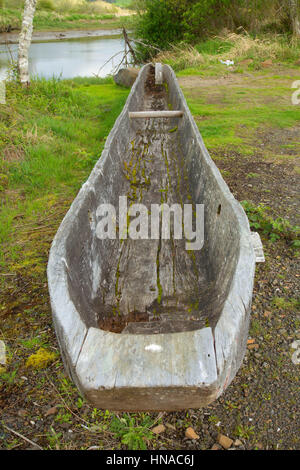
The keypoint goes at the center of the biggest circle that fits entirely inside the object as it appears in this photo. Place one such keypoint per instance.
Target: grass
(233, 115)
(51, 135)
(220, 124)
(204, 57)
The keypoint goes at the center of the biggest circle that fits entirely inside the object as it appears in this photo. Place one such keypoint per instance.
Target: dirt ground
(260, 408)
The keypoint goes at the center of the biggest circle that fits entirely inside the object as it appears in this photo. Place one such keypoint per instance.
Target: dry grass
(272, 47)
(183, 55)
(239, 47)
(12, 153)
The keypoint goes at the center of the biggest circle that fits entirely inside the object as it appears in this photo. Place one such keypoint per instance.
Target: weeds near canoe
(274, 229)
(244, 432)
(132, 432)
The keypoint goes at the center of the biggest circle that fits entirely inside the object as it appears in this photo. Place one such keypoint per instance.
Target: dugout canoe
(147, 324)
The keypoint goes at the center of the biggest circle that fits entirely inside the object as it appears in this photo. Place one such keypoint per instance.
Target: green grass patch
(287, 305)
(230, 115)
(51, 135)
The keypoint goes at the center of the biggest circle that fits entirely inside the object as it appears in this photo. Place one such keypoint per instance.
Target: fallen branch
(23, 437)
(112, 57)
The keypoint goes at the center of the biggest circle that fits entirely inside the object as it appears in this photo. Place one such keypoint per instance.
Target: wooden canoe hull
(168, 371)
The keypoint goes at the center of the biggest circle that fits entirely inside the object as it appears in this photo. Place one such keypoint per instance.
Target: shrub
(160, 23)
(205, 17)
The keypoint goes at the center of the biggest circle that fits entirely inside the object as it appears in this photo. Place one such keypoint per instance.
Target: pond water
(67, 58)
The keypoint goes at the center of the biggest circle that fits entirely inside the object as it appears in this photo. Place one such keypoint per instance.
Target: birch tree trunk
(25, 40)
(294, 13)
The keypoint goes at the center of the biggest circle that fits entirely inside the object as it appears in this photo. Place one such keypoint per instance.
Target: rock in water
(225, 441)
(126, 77)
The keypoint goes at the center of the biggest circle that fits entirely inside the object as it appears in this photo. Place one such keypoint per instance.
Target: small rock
(253, 346)
(237, 443)
(216, 447)
(190, 434)
(158, 429)
(225, 441)
(51, 411)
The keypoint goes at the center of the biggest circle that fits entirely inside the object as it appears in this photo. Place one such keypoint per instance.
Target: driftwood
(145, 324)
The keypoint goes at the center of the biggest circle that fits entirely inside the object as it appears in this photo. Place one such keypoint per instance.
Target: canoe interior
(153, 286)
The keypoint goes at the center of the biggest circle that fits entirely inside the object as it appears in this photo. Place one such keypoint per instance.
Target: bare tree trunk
(25, 41)
(294, 12)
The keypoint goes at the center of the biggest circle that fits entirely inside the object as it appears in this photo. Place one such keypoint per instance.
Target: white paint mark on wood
(153, 348)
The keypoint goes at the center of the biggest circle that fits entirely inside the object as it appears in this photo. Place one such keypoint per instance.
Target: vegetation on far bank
(65, 14)
(51, 135)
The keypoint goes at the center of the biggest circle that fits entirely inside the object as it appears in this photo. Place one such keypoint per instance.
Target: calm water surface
(67, 58)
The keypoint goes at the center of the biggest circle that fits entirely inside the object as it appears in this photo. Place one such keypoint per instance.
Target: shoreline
(61, 35)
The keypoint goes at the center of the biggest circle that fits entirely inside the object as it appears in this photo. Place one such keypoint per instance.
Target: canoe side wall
(70, 279)
(227, 249)
(222, 232)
